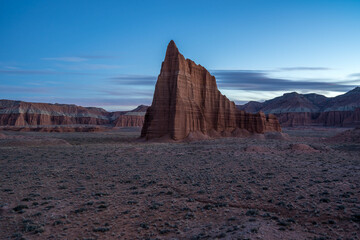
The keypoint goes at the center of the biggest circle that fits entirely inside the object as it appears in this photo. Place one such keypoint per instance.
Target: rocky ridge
(294, 109)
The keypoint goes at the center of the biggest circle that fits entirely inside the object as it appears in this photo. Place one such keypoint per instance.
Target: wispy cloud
(11, 67)
(65, 59)
(304, 69)
(93, 66)
(27, 72)
(354, 75)
(259, 81)
(128, 93)
(5, 89)
(144, 80)
(97, 57)
(81, 58)
(43, 72)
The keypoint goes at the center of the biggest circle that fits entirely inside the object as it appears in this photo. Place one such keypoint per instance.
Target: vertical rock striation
(20, 114)
(186, 100)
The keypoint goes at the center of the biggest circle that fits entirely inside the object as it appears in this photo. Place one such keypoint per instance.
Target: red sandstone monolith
(186, 100)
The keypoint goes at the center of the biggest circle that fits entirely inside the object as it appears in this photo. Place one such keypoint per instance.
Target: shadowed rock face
(187, 99)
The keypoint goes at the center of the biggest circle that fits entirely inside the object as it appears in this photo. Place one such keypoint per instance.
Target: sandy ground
(108, 185)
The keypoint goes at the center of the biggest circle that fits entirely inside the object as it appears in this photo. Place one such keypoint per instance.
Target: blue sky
(109, 53)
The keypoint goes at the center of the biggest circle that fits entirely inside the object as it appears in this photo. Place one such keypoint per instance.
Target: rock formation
(293, 109)
(187, 100)
(35, 116)
(129, 121)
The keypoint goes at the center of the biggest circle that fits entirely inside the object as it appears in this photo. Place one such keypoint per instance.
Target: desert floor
(109, 185)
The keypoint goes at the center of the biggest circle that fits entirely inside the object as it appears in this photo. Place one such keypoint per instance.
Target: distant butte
(187, 103)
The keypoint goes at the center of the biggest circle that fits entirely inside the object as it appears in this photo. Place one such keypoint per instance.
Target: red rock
(2, 136)
(293, 119)
(187, 100)
(129, 121)
(140, 108)
(277, 136)
(302, 148)
(39, 114)
(133, 118)
(33, 116)
(340, 118)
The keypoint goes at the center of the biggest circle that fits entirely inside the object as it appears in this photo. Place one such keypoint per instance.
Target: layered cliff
(17, 113)
(34, 115)
(293, 109)
(186, 100)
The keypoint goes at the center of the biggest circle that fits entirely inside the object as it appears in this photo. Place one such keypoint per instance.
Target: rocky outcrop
(293, 109)
(35, 116)
(129, 121)
(187, 100)
(339, 118)
(133, 118)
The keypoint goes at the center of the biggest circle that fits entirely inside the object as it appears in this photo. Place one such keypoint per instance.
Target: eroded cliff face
(129, 121)
(32, 114)
(340, 118)
(18, 114)
(186, 100)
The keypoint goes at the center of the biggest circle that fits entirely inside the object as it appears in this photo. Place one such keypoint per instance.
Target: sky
(108, 53)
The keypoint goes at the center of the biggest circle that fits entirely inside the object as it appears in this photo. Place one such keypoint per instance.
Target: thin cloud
(65, 59)
(354, 75)
(5, 89)
(143, 80)
(97, 57)
(259, 81)
(92, 66)
(27, 72)
(305, 69)
(11, 67)
(81, 58)
(43, 72)
(128, 93)
(100, 66)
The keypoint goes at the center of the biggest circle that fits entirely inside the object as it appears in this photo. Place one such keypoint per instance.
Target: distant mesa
(187, 102)
(26, 116)
(294, 109)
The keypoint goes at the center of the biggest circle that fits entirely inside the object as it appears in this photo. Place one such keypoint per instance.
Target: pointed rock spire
(187, 103)
(172, 48)
(172, 52)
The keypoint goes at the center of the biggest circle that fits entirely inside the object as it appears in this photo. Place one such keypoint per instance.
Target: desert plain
(302, 183)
